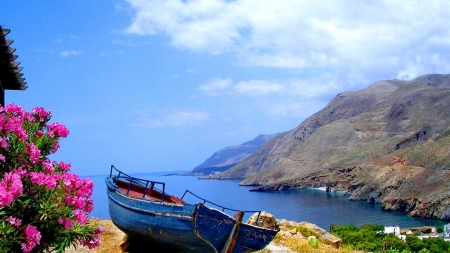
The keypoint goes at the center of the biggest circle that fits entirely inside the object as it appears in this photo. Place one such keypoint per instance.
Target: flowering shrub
(43, 207)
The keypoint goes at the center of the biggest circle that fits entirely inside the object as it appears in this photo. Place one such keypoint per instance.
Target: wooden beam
(229, 245)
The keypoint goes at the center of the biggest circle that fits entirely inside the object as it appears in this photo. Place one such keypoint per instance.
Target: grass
(303, 245)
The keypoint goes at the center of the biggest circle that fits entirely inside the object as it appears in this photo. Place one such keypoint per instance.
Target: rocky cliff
(388, 143)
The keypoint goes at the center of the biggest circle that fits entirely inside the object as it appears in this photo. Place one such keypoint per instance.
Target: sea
(311, 205)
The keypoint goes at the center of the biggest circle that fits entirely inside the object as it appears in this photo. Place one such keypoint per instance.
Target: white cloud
(67, 53)
(293, 97)
(311, 88)
(171, 118)
(216, 86)
(258, 87)
(354, 38)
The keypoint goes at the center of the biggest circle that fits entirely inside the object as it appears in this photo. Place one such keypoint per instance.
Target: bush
(43, 207)
(370, 238)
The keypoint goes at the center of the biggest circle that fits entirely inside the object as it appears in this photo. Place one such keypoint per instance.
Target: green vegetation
(306, 232)
(442, 136)
(370, 238)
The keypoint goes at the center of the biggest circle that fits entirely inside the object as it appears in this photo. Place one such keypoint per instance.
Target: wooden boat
(150, 216)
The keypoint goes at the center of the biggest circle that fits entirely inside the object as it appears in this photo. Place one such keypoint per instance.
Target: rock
(293, 231)
(125, 243)
(284, 233)
(321, 234)
(266, 220)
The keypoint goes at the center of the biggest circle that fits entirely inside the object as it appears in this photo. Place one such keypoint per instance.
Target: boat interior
(149, 192)
(145, 191)
(141, 188)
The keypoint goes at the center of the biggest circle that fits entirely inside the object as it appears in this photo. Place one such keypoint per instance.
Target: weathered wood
(231, 241)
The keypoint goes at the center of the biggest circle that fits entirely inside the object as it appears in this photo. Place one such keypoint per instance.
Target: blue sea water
(311, 205)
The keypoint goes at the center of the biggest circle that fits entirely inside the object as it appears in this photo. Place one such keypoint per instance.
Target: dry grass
(296, 244)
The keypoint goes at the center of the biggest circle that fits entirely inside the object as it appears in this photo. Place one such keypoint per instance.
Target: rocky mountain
(388, 143)
(230, 156)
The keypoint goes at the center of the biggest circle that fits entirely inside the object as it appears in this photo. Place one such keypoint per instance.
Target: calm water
(311, 205)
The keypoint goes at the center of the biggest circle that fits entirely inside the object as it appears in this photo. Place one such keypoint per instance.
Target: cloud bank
(355, 38)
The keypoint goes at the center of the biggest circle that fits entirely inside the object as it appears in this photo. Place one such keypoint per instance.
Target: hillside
(388, 143)
(230, 156)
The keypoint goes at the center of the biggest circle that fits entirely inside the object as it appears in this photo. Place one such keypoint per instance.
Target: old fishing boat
(147, 214)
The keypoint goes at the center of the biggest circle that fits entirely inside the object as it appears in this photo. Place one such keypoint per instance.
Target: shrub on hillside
(372, 239)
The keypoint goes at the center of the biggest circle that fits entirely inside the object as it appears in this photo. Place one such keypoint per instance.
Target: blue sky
(162, 85)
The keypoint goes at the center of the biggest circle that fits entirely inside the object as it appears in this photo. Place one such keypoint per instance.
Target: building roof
(10, 76)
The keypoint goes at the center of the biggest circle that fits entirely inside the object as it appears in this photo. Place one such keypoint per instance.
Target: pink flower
(5, 197)
(67, 223)
(25, 247)
(64, 167)
(14, 125)
(40, 114)
(33, 238)
(80, 217)
(48, 166)
(3, 143)
(88, 205)
(95, 241)
(15, 110)
(58, 129)
(10, 188)
(91, 243)
(33, 152)
(100, 230)
(40, 178)
(21, 134)
(55, 147)
(15, 222)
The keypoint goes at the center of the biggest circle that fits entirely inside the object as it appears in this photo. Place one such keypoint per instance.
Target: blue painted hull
(156, 219)
(215, 227)
(155, 222)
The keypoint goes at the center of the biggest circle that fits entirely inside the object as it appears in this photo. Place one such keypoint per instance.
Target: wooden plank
(229, 245)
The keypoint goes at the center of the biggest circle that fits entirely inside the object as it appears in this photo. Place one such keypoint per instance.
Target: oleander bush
(43, 207)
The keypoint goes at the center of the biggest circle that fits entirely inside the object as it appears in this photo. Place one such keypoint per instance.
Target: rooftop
(10, 76)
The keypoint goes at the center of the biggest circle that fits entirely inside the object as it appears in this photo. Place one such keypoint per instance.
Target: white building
(447, 230)
(396, 231)
(392, 230)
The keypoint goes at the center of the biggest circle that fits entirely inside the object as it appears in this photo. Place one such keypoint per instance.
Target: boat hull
(217, 227)
(154, 223)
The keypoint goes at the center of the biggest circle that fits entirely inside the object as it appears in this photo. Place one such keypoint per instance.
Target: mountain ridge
(229, 156)
(388, 143)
